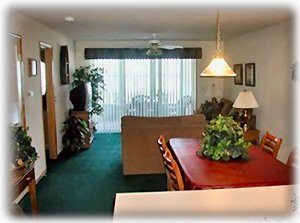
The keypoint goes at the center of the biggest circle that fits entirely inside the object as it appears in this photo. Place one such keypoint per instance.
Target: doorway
(48, 100)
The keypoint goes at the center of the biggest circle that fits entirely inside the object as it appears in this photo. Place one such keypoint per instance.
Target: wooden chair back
(175, 177)
(162, 144)
(270, 144)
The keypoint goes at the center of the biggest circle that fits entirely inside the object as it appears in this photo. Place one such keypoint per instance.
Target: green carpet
(86, 182)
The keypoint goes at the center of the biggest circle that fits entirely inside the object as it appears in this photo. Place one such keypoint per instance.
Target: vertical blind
(145, 87)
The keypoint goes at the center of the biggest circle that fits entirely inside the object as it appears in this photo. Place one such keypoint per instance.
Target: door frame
(18, 38)
(51, 116)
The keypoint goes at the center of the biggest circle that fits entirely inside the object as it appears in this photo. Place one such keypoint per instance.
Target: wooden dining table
(261, 169)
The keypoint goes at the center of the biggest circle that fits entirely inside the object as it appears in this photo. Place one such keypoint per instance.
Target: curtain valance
(140, 53)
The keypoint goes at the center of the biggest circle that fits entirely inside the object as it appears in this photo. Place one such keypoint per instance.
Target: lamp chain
(218, 35)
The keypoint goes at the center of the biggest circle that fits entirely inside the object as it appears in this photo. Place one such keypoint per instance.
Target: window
(158, 87)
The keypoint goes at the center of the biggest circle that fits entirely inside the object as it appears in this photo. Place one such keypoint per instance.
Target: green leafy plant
(223, 140)
(75, 130)
(22, 150)
(94, 75)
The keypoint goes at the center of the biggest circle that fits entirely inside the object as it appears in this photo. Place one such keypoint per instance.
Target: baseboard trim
(41, 176)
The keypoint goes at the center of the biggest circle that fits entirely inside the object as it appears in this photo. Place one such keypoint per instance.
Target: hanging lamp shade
(218, 67)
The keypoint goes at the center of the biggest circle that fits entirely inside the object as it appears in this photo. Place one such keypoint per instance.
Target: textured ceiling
(136, 23)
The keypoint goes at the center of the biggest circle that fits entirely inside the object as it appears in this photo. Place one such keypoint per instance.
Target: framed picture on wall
(250, 74)
(238, 69)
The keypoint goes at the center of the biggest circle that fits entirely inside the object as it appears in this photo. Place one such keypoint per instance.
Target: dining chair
(175, 177)
(162, 145)
(270, 144)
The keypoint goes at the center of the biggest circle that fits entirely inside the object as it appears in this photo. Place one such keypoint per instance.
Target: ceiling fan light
(218, 68)
(154, 52)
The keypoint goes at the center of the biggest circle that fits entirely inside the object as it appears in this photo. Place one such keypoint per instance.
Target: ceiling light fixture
(154, 50)
(69, 19)
(218, 66)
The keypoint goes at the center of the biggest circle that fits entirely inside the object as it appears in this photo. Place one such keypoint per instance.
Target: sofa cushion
(235, 113)
(211, 110)
(215, 110)
(227, 107)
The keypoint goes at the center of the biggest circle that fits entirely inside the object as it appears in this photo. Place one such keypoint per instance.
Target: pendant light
(218, 66)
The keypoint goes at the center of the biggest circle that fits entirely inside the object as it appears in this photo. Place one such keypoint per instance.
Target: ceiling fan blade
(170, 47)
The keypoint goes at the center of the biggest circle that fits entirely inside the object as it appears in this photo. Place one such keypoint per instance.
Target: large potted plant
(79, 95)
(22, 152)
(223, 140)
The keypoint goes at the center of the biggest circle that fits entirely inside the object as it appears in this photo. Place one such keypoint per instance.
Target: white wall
(271, 51)
(32, 33)
(208, 50)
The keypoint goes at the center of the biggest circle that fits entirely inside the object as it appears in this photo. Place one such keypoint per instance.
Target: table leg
(33, 200)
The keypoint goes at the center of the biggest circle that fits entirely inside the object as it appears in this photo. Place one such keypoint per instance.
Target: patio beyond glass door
(152, 88)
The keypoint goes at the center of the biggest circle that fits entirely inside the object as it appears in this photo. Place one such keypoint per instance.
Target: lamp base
(245, 127)
(245, 120)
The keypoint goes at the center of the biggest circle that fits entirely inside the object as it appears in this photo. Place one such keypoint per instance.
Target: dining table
(200, 172)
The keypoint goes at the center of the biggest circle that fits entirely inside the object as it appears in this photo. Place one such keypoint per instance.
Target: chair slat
(175, 181)
(271, 144)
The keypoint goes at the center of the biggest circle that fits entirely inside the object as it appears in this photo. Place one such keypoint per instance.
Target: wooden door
(51, 120)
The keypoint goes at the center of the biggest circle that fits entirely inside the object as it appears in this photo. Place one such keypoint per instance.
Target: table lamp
(245, 100)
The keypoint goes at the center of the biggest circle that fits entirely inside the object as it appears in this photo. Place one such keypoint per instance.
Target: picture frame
(238, 69)
(250, 74)
(32, 67)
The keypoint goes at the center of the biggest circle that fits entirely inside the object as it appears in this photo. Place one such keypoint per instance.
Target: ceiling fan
(155, 47)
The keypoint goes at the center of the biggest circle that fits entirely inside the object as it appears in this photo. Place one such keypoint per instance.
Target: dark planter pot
(80, 97)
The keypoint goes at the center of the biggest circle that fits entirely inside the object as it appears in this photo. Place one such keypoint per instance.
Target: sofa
(211, 109)
(140, 153)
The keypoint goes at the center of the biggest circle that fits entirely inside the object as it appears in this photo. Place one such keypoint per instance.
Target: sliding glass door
(158, 87)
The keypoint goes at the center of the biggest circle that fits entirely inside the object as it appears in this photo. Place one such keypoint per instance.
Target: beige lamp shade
(245, 99)
(218, 68)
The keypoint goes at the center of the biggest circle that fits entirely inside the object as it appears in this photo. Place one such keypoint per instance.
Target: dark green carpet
(86, 183)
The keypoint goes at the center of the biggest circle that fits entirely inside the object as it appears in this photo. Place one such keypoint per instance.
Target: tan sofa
(140, 152)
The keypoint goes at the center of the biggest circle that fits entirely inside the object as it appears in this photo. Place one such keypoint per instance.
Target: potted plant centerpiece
(223, 140)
